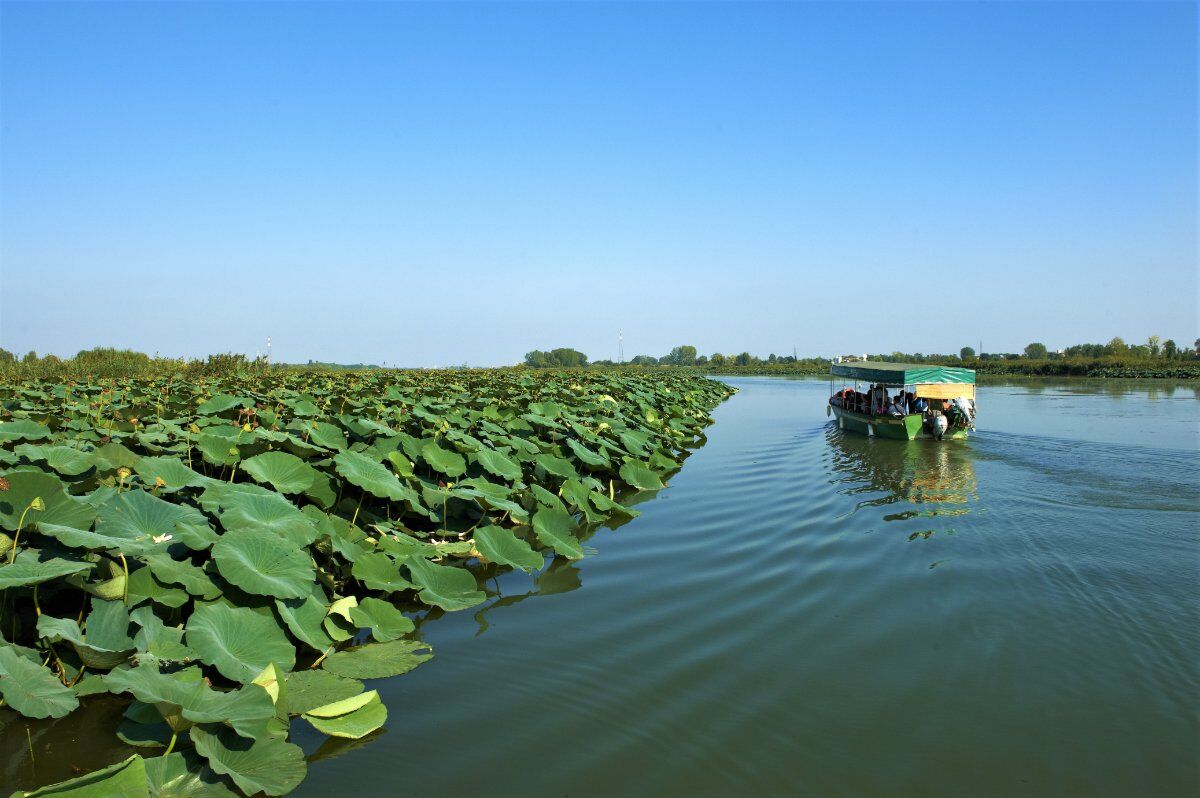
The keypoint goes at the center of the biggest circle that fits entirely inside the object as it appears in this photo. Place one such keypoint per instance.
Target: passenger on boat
(919, 405)
(897, 408)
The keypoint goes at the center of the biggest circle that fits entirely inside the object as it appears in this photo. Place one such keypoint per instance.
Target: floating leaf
(445, 586)
(501, 546)
(309, 689)
(126, 779)
(268, 765)
(184, 775)
(377, 660)
(356, 722)
(553, 527)
(640, 477)
(31, 689)
(378, 571)
(385, 621)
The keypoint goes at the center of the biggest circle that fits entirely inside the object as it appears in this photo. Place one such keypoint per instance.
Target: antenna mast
(620, 346)
(268, 350)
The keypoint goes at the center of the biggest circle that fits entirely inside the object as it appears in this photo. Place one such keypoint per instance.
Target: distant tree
(562, 357)
(744, 359)
(1036, 351)
(30, 357)
(717, 359)
(966, 353)
(1139, 351)
(702, 360)
(680, 356)
(771, 358)
(7, 357)
(644, 360)
(1153, 343)
(1116, 347)
(1170, 348)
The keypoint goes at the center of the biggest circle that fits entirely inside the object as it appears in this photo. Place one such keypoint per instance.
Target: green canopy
(903, 373)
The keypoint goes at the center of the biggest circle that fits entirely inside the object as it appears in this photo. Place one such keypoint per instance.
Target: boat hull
(905, 428)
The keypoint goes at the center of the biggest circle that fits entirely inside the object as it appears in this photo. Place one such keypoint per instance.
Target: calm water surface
(803, 611)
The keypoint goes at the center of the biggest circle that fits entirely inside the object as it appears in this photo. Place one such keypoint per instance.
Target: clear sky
(447, 183)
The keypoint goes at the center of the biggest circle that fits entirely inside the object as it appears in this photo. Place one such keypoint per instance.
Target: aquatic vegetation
(232, 554)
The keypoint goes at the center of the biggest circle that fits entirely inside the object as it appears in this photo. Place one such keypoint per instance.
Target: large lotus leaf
(308, 689)
(107, 643)
(23, 429)
(257, 561)
(586, 455)
(66, 460)
(269, 513)
(60, 508)
(353, 724)
(558, 466)
(496, 463)
(144, 587)
(174, 474)
(136, 514)
(501, 546)
(285, 472)
(554, 527)
(31, 568)
(193, 579)
(304, 616)
(447, 462)
(238, 641)
(372, 477)
(445, 586)
(113, 455)
(220, 403)
(378, 660)
(385, 621)
(184, 775)
(218, 450)
(323, 434)
(159, 640)
(31, 689)
(94, 541)
(269, 765)
(378, 571)
(126, 779)
(246, 709)
(640, 477)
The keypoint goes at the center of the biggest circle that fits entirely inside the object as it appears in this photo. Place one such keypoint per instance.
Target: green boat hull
(904, 428)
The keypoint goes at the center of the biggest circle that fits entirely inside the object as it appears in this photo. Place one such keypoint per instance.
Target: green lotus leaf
(377, 660)
(107, 643)
(238, 641)
(372, 477)
(586, 455)
(269, 513)
(445, 586)
(137, 515)
(66, 460)
(378, 571)
(187, 697)
(343, 706)
(23, 429)
(259, 562)
(31, 689)
(337, 623)
(558, 466)
(304, 616)
(174, 474)
(218, 450)
(60, 508)
(94, 541)
(159, 640)
(354, 724)
(447, 462)
(144, 587)
(269, 765)
(554, 527)
(193, 579)
(31, 568)
(184, 775)
(640, 477)
(282, 471)
(501, 546)
(323, 434)
(385, 621)
(113, 455)
(309, 689)
(126, 779)
(220, 403)
(496, 463)
(144, 735)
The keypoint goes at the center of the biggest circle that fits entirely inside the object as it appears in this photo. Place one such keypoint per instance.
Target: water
(803, 611)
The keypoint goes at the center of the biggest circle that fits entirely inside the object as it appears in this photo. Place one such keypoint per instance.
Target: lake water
(804, 611)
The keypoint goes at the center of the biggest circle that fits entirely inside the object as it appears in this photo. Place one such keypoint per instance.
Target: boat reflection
(938, 476)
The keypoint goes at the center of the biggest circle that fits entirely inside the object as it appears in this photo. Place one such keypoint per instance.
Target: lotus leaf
(259, 562)
(282, 471)
(384, 620)
(553, 527)
(445, 586)
(31, 689)
(501, 546)
(268, 765)
(377, 660)
(238, 641)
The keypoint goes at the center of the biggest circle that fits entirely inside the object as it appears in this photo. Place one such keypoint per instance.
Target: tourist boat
(942, 399)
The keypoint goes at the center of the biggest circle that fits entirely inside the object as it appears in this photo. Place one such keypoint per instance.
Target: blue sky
(430, 184)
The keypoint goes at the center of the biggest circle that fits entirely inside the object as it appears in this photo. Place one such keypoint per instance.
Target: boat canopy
(883, 373)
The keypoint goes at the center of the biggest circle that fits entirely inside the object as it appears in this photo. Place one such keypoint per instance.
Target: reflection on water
(937, 474)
